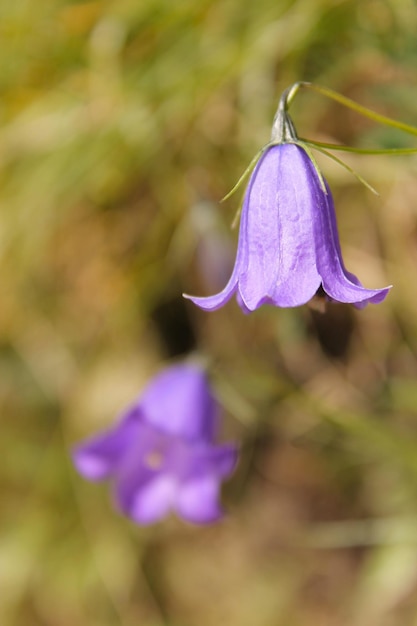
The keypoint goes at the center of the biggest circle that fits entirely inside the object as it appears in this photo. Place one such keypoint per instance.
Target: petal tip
(378, 296)
(90, 466)
(210, 303)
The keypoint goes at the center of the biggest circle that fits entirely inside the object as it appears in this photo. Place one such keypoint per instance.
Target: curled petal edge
(212, 303)
(354, 294)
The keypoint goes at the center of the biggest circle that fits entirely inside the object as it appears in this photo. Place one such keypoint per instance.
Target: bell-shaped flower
(288, 243)
(160, 456)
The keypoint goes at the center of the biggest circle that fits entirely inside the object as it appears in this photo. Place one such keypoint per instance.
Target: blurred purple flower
(160, 456)
(288, 241)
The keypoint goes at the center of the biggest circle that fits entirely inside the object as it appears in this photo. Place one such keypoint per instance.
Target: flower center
(154, 459)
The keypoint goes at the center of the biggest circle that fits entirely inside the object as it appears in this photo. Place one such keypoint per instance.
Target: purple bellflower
(288, 244)
(160, 456)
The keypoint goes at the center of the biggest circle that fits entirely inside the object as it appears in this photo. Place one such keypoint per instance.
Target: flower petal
(152, 501)
(338, 283)
(277, 232)
(211, 303)
(197, 499)
(241, 303)
(199, 482)
(99, 456)
(178, 401)
(222, 459)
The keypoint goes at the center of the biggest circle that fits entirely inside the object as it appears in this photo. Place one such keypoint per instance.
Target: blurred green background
(122, 125)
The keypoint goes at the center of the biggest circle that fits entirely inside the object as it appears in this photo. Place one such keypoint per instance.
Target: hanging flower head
(288, 244)
(160, 456)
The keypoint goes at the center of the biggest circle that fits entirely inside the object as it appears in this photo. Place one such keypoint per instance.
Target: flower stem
(335, 146)
(347, 102)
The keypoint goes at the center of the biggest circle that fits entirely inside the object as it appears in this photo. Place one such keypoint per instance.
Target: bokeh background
(122, 125)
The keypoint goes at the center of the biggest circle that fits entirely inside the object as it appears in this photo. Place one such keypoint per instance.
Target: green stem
(349, 169)
(245, 173)
(334, 146)
(347, 102)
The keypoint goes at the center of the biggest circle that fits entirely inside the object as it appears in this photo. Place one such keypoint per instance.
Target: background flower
(160, 455)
